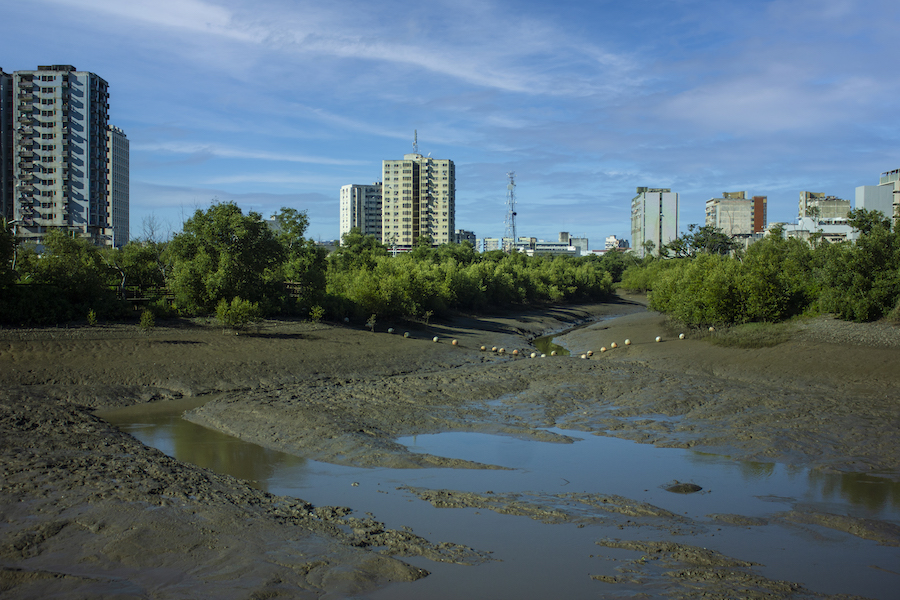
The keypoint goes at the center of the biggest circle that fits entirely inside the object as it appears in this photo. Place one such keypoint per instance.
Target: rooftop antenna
(415, 141)
(511, 212)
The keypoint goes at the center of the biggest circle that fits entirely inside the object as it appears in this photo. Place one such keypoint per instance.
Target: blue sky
(276, 103)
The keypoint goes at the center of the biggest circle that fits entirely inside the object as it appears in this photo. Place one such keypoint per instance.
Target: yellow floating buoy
(493, 348)
(603, 349)
(515, 352)
(553, 353)
(455, 343)
(483, 348)
(712, 329)
(614, 345)
(680, 336)
(658, 338)
(501, 351)
(406, 334)
(627, 342)
(590, 352)
(534, 355)
(434, 339)
(584, 356)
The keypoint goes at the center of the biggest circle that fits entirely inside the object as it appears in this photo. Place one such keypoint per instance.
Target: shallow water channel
(540, 560)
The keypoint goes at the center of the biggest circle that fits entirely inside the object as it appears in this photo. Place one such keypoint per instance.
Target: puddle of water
(545, 345)
(540, 560)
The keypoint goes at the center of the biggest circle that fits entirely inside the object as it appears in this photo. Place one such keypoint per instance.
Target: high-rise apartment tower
(419, 199)
(60, 153)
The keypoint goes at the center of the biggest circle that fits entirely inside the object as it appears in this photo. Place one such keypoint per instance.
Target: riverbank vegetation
(775, 279)
(228, 263)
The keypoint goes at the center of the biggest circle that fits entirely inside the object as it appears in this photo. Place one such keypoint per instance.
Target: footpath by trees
(228, 263)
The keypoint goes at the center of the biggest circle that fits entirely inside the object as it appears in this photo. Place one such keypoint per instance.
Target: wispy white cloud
(202, 149)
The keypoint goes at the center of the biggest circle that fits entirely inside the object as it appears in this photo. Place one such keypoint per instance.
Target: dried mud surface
(86, 511)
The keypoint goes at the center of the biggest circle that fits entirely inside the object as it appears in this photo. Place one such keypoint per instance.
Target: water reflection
(163, 428)
(545, 345)
(875, 493)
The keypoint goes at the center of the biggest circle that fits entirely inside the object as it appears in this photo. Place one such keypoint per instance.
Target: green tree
(7, 254)
(357, 251)
(221, 254)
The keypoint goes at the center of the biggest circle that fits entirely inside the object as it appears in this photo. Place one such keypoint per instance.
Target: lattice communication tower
(509, 241)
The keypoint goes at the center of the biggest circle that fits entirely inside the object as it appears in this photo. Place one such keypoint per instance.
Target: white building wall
(119, 195)
(361, 207)
(654, 217)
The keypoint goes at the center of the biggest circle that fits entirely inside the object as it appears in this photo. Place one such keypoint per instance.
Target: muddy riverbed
(371, 494)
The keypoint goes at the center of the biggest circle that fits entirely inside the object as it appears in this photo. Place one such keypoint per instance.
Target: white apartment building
(361, 207)
(419, 198)
(60, 153)
(884, 197)
(654, 218)
(118, 194)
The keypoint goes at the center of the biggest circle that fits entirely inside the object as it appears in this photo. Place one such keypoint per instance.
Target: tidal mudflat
(334, 461)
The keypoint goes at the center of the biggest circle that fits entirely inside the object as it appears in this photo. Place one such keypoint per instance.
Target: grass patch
(752, 335)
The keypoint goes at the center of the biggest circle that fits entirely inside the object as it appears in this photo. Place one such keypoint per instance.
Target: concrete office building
(361, 207)
(419, 198)
(827, 209)
(118, 195)
(884, 197)
(736, 215)
(60, 153)
(654, 218)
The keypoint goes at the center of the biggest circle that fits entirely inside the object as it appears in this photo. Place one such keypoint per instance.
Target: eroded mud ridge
(356, 422)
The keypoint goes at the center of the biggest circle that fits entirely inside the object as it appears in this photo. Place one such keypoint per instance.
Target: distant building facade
(6, 146)
(461, 235)
(654, 218)
(613, 243)
(118, 195)
(736, 215)
(361, 207)
(828, 209)
(419, 199)
(884, 197)
(60, 162)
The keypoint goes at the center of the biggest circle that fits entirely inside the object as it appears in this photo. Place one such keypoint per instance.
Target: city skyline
(276, 104)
